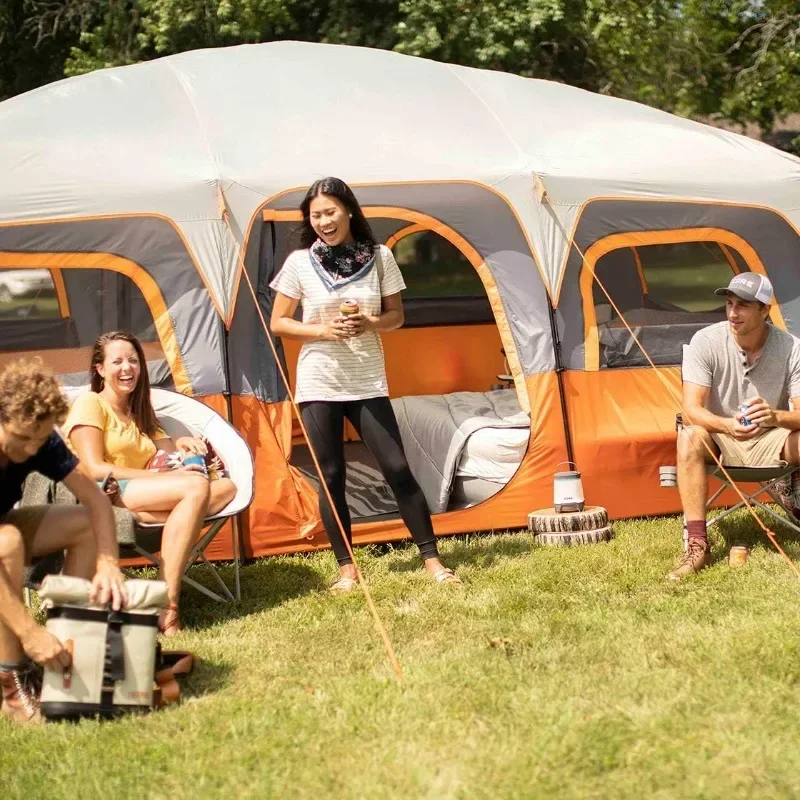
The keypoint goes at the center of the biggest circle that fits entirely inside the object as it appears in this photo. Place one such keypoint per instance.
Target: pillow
(163, 461)
(216, 469)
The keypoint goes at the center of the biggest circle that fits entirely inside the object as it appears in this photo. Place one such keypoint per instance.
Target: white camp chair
(179, 416)
(765, 478)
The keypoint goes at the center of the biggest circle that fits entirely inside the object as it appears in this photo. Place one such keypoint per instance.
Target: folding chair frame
(197, 555)
(765, 477)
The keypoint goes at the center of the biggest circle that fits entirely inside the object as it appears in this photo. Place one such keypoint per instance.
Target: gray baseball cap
(749, 286)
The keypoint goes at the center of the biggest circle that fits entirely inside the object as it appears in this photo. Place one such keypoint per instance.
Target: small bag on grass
(116, 665)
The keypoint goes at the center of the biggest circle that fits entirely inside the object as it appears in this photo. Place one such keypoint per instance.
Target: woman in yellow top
(113, 428)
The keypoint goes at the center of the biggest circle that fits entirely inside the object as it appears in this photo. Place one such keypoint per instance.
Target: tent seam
(214, 164)
(523, 153)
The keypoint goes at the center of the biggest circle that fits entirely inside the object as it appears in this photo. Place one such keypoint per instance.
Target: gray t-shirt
(714, 360)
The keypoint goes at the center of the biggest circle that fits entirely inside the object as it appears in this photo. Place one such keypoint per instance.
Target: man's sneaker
(696, 557)
(21, 691)
(794, 495)
(787, 492)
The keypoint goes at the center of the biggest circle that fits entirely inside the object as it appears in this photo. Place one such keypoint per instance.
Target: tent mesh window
(442, 287)
(665, 293)
(61, 331)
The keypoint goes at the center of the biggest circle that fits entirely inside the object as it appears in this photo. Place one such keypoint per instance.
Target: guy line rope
(380, 627)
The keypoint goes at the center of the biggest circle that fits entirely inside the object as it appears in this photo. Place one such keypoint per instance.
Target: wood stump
(572, 528)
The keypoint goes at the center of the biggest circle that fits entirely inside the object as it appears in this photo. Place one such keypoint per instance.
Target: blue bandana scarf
(341, 264)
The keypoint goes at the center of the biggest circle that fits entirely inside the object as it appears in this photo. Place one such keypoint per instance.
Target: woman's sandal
(343, 585)
(169, 621)
(446, 575)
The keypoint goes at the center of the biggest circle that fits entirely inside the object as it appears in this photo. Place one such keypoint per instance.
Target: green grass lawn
(553, 673)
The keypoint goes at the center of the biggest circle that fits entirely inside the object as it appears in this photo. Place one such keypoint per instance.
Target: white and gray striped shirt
(349, 369)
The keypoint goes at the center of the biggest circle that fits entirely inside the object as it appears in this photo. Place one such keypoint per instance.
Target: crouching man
(31, 404)
(744, 361)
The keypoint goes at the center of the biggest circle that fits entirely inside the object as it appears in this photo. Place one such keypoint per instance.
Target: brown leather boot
(697, 556)
(21, 690)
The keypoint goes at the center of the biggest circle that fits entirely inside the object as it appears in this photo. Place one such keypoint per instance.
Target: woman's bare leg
(222, 492)
(186, 497)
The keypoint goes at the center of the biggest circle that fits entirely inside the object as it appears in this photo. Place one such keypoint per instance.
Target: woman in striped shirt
(349, 287)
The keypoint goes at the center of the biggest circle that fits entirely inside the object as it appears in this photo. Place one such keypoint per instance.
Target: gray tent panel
(774, 240)
(103, 300)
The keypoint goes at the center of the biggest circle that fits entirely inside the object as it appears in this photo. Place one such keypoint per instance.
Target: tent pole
(560, 378)
(236, 528)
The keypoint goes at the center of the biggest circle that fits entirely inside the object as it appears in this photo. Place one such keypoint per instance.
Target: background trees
(736, 60)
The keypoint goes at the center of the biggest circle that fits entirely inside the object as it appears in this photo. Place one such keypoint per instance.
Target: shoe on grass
(22, 689)
(343, 585)
(446, 575)
(697, 556)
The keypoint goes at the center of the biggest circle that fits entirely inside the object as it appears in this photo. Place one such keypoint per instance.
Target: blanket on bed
(435, 428)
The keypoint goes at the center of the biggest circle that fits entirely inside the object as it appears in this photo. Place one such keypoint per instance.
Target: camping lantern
(567, 490)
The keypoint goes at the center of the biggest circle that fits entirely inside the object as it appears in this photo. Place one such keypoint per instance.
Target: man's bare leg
(68, 528)
(62, 528)
(791, 450)
(693, 455)
(12, 565)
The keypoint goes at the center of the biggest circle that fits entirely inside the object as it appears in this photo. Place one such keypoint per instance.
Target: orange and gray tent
(155, 196)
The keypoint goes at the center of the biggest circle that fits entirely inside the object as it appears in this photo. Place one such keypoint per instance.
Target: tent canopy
(164, 137)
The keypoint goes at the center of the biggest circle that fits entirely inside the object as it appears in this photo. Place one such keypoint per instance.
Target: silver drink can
(743, 411)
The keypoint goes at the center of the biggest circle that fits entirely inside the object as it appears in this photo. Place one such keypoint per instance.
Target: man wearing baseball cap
(738, 378)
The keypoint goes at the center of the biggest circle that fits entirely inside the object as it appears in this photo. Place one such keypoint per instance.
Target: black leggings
(377, 426)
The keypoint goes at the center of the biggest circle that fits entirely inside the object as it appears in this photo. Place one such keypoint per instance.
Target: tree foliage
(737, 59)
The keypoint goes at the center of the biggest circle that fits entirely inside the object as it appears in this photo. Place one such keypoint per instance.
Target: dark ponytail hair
(333, 187)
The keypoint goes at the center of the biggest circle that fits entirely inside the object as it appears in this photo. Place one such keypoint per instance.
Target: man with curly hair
(31, 404)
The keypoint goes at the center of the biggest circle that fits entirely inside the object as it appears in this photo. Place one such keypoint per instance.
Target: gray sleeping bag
(435, 429)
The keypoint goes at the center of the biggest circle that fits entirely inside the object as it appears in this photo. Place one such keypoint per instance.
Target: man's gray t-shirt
(714, 360)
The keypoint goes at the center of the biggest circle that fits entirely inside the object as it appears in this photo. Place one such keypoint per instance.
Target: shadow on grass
(206, 679)
(480, 550)
(265, 583)
(741, 530)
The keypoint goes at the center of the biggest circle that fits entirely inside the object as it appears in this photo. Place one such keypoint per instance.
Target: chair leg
(207, 592)
(753, 500)
(789, 522)
(236, 541)
(217, 576)
(198, 554)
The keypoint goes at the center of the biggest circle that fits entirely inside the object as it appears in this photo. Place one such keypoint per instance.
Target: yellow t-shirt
(124, 444)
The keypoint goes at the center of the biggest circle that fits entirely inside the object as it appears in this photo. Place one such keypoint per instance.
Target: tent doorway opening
(462, 426)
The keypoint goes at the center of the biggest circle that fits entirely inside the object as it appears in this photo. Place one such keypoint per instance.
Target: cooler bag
(114, 653)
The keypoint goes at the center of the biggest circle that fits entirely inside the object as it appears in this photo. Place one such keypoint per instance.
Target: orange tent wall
(622, 423)
(621, 420)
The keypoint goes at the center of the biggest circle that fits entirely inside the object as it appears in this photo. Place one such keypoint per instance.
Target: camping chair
(766, 479)
(180, 415)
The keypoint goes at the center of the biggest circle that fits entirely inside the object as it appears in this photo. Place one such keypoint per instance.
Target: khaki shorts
(763, 451)
(27, 521)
